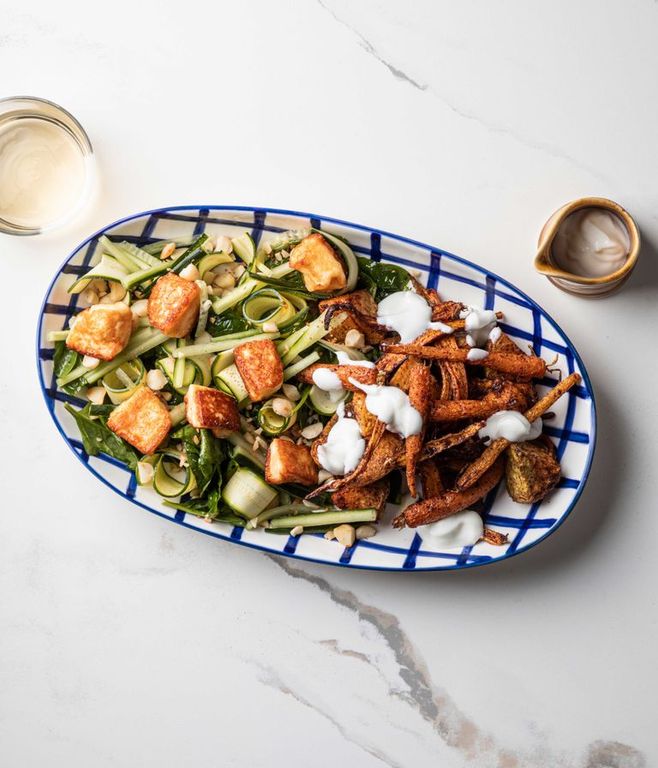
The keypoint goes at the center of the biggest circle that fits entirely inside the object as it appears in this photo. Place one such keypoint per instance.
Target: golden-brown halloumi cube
(322, 268)
(260, 367)
(101, 331)
(173, 306)
(208, 408)
(142, 420)
(287, 462)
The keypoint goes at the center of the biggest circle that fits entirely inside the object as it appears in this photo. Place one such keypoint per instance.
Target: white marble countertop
(126, 641)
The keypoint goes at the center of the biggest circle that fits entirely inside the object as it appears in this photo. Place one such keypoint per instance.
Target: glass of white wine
(46, 166)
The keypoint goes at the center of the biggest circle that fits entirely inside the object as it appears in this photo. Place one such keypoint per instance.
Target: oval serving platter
(572, 429)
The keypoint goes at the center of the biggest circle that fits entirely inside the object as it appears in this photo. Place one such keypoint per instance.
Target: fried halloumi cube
(322, 268)
(173, 306)
(207, 408)
(102, 331)
(371, 496)
(260, 367)
(143, 420)
(287, 462)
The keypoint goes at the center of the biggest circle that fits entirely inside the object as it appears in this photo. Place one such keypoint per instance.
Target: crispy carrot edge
(509, 397)
(450, 502)
(441, 444)
(527, 366)
(475, 470)
(494, 537)
(420, 390)
(430, 479)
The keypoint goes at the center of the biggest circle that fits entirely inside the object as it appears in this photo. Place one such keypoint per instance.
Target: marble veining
(462, 111)
(125, 641)
(370, 49)
(435, 705)
(270, 677)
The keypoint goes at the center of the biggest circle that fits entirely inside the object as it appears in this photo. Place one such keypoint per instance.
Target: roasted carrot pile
(448, 467)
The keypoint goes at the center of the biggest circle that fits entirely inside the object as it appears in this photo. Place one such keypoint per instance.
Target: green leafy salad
(191, 359)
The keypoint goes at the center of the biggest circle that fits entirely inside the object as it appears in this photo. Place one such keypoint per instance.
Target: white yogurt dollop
(344, 447)
(462, 529)
(408, 314)
(330, 382)
(511, 425)
(591, 242)
(344, 359)
(392, 406)
(495, 334)
(479, 324)
(476, 354)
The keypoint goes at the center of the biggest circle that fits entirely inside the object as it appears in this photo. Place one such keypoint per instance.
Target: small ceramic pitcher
(578, 284)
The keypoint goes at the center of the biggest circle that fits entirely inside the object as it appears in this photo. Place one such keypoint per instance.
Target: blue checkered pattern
(572, 428)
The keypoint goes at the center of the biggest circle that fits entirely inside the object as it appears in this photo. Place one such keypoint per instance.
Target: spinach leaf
(103, 410)
(381, 279)
(227, 515)
(205, 454)
(207, 463)
(365, 279)
(64, 359)
(98, 438)
(212, 502)
(232, 466)
(74, 387)
(230, 321)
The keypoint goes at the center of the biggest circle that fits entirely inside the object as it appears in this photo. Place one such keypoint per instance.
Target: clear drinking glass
(46, 166)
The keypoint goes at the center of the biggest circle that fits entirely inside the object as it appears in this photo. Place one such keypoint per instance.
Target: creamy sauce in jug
(591, 242)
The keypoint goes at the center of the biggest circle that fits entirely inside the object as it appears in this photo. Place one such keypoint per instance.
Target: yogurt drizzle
(478, 324)
(392, 406)
(345, 359)
(476, 354)
(495, 334)
(462, 529)
(344, 447)
(481, 326)
(512, 426)
(329, 381)
(408, 314)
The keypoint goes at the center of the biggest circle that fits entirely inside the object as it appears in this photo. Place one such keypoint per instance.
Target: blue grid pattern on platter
(572, 429)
